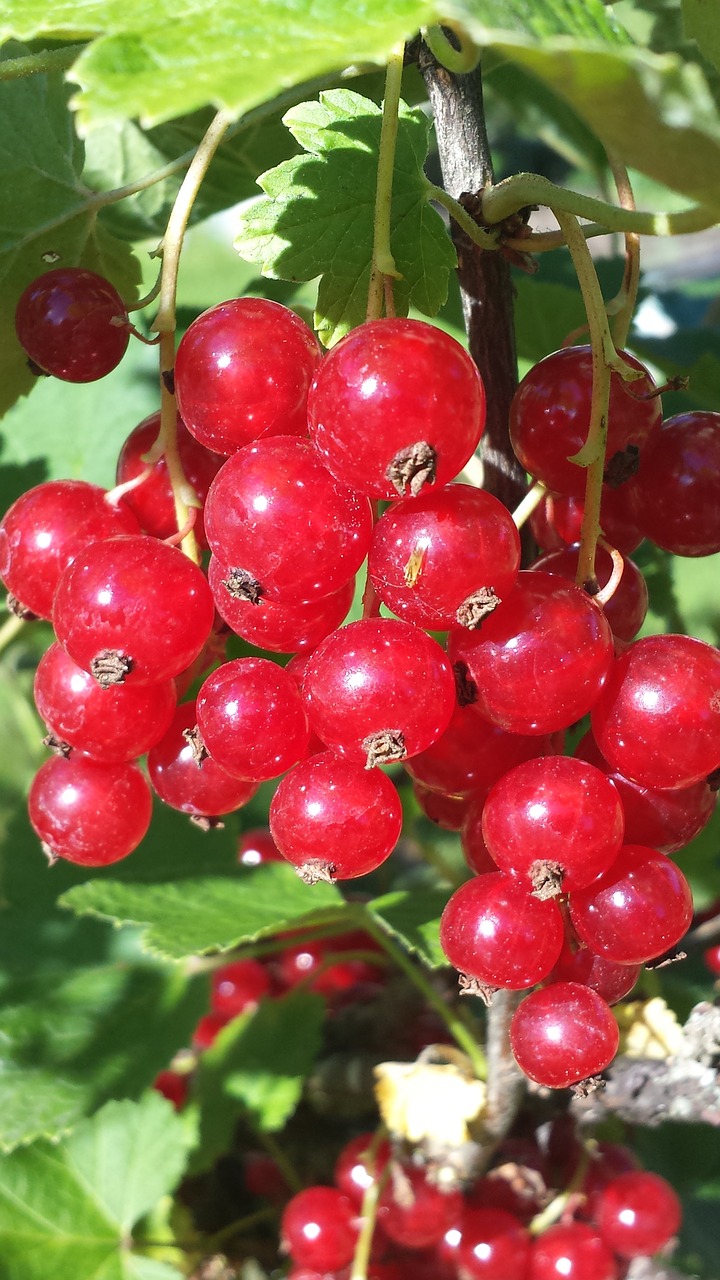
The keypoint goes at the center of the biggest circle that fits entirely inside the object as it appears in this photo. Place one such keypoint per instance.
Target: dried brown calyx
(412, 468)
(242, 586)
(473, 611)
(384, 747)
(110, 667)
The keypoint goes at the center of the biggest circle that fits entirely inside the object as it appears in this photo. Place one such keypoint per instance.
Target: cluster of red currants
(573, 884)
(497, 1228)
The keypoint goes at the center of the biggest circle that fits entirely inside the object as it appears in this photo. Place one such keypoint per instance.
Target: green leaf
(67, 1046)
(413, 917)
(156, 62)
(317, 217)
(702, 23)
(257, 1066)
(66, 1210)
(47, 217)
(211, 913)
(493, 20)
(121, 152)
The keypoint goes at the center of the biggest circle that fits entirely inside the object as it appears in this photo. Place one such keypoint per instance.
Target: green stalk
(513, 194)
(383, 263)
(622, 308)
(368, 1217)
(485, 239)
(604, 360)
(460, 61)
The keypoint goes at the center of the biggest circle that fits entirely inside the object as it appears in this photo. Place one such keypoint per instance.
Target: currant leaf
(46, 213)
(257, 1065)
(212, 913)
(316, 218)
(413, 918)
(76, 1202)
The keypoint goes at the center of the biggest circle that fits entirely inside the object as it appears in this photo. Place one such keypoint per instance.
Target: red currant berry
(562, 1034)
(251, 718)
(242, 370)
(72, 324)
(43, 531)
(659, 819)
(657, 719)
(711, 956)
(446, 559)
(152, 501)
(281, 627)
(495, 931)
(172, 1086)
(571, 1251)
(378, 690)
(475, 851)
(319, 1228)
(281, 483)
(637, 1214)
(360, 1162)
(206, 790)
(494, 1246)
(238, 987)
(638, 909)
(557, 521)
(111, 725)
(257, 846)
(626, 609)
(396, 405)
(553, 817)
(550, 416)
(413, 1212)
(89, 813)
(472, 754)
(611, 980)
(539, 661)
(676, 492)
(333, 819)
(208, 1029)
(133, 608)
(446, 811)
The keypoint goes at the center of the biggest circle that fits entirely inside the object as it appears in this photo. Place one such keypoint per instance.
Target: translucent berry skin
(136, 596)
(239, 986)
(557, 521)
(611, 980)
(666, 820)
(338, 813)
(152, 501)
(493, 929)
(110, 725)
(638, 909)
(475, 851)
(89, 813)
(447, 811)
(424, 1221)
(550, 416)
(251, 718)
(571, 1251)
(657, 719)
(555, 809)
(494, 1246)
(637, 1214)
(64, 322)
(626, 609)
(43, 531)
(377, 675)
(319, 1229)
(281, 483)
(205, 790)
(383, 388)
(539, 661)
(287, 627)
(563, 1033)
(360, 1162)
(711, 957)
(243, 369)
(428, 556)
(257, 846)
(472, 754)
(676, 492)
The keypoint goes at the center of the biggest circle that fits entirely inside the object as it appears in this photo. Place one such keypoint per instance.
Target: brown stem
(485, 283)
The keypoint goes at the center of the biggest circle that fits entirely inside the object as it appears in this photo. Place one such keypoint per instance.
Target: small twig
(383, 262)
(526, 189)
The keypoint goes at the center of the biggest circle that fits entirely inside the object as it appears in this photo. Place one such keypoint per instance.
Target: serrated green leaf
(211, 913)
(702, 23)
(257, 1066)
(47, 217)
(413, 917)
(317, 217)
(68, 1046)
(162, 61)
(66, 1210)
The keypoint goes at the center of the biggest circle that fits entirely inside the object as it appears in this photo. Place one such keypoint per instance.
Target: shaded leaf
(702, 23)
(413, 917)
(211, 913)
